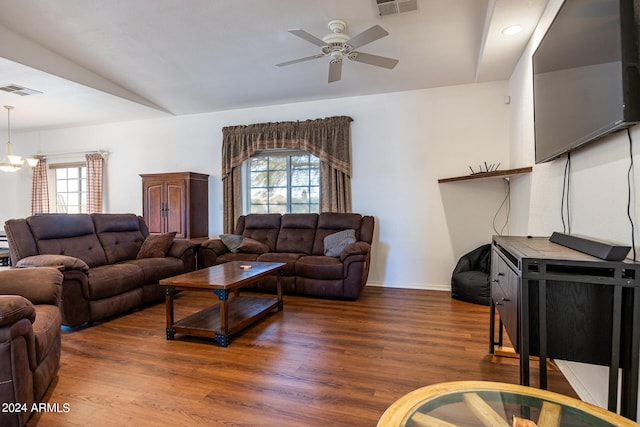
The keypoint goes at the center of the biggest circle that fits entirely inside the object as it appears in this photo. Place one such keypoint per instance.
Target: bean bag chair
(470, 278)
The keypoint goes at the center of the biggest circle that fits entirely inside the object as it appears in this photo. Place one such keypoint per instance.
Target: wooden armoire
(177, 201)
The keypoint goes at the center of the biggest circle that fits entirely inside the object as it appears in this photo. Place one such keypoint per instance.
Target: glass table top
(478, 403)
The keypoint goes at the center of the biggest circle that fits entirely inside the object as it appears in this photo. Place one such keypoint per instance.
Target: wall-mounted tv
(585, 75)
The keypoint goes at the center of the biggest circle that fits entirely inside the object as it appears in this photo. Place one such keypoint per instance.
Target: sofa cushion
(60, 226)
(86, 248)
(288, 258)
(46, 329)
(263, 228)
(252, 246)
(319, 267)
(120, 246)
(156, 245)
(331, 222)
(231, 241)
(114, 279)
(155, 269)
(335, 243)
(297, 233)
(119, 234)
(68, 234)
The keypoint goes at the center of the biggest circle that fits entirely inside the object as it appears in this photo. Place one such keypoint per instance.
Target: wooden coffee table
(229, 315)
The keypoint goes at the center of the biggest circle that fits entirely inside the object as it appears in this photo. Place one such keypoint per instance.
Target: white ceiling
(101, 61)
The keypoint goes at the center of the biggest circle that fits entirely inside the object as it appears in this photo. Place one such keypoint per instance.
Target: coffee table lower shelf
(242, 311)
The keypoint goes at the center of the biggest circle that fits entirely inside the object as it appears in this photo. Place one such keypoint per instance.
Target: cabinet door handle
(504, 299)
(500, 274)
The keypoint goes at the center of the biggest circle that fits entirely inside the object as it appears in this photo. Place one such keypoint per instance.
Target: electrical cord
(629, 174)
(505, 202)
(566, 190)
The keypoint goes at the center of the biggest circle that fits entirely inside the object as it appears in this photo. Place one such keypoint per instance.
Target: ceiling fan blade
(335, 71)
(295, 61)
(378, 61)
(308, 37)
(367, 36)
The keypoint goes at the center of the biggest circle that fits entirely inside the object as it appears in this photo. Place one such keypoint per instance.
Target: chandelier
(12, 162)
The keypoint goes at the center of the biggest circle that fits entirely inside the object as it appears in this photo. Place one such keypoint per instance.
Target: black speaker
(596, 248)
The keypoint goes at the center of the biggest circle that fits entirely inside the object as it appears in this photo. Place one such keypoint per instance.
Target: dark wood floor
(317, 363)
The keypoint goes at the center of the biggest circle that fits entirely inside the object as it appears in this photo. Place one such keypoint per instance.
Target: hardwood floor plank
(317, 363)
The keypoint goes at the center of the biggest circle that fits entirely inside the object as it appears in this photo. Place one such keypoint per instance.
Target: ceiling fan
(338, 45)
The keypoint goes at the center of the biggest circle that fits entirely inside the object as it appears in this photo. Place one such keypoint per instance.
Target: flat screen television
(586, 80)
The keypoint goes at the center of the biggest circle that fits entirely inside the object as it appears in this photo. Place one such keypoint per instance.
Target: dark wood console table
(555, 302)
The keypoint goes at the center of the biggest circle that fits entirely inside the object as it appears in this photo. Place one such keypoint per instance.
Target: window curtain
(40, 189)
(95, 163)
(329, 139)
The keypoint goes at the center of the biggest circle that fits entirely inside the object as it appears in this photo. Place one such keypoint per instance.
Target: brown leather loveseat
(29, 339)
(301, 241)
(110, 262)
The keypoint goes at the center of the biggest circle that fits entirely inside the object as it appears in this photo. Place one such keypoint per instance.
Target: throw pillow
(156, 245)
(335, 243)
(251, 246)
(231, 241)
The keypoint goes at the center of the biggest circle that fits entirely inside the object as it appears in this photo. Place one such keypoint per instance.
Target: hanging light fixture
(12, 162)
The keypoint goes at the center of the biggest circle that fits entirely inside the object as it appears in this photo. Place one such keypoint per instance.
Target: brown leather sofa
(29, 339)
(299, 241)
(99, 254)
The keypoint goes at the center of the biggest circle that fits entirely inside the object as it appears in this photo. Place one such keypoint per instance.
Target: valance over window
(329, 139)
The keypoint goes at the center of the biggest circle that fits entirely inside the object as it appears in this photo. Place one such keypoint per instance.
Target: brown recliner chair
(30, 338)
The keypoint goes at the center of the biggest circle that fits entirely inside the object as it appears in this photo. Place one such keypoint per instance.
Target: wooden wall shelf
(495, 174)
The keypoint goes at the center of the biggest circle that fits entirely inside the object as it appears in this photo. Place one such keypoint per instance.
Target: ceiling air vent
(393, 7)
(19, 90)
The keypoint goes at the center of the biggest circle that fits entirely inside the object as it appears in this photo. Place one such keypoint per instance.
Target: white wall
(598, 192)
(401, 142)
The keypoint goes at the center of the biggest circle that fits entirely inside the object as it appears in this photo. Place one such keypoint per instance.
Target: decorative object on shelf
(487, 168)
(12, 162)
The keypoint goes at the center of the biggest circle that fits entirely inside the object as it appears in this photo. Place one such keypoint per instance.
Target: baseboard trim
(420, 286)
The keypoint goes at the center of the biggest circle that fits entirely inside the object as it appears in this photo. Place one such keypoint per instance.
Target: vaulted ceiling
(102, 61)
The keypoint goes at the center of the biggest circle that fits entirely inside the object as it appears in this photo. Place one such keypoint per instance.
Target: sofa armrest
(62, 262)
(42, 285)
(14, 308)
(179, 247)
(356, 248)
(216, 246)
(211, 250)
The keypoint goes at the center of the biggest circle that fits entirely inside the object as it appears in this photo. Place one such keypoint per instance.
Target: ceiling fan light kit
(337, 45)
